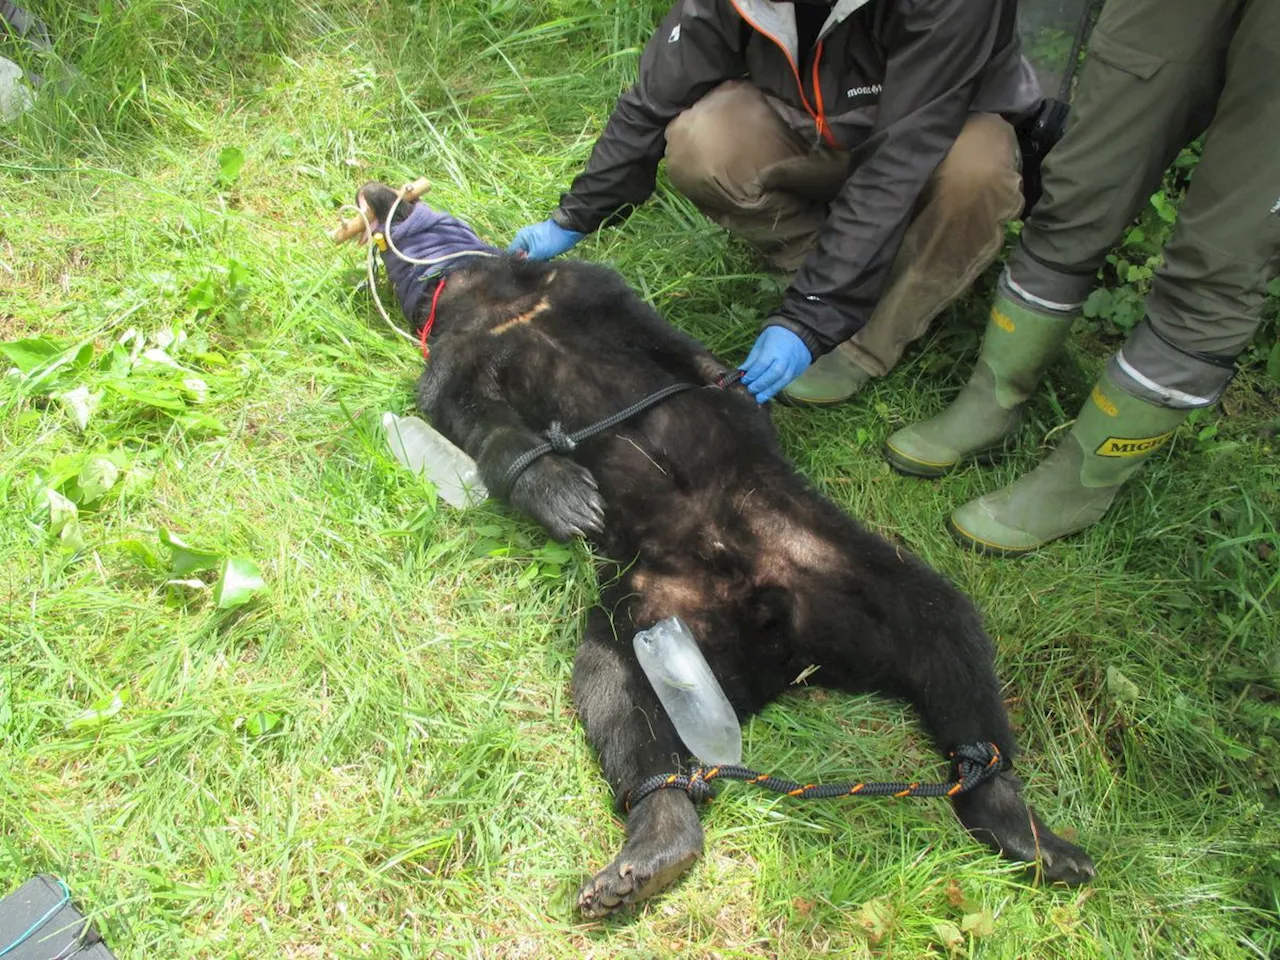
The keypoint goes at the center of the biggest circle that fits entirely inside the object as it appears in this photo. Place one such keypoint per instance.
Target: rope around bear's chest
(558, 441)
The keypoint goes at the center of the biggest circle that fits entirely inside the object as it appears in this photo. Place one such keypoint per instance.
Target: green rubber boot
(1017, 347)
(832, 378)
(1076, 483)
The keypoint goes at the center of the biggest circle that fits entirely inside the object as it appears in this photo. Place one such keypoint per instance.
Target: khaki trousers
(1158, 73)
(732, 155)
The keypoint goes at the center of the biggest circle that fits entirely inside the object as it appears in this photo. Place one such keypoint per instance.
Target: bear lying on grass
(703, 518)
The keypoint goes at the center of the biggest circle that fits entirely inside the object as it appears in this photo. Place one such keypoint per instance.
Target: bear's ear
(380, 198)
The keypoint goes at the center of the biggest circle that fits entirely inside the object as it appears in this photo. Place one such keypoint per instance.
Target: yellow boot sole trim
(973, 541)
(920, 460)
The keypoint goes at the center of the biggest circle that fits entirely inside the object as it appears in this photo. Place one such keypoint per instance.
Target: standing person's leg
(1204, 308)
(732, 155)
(1150, 84)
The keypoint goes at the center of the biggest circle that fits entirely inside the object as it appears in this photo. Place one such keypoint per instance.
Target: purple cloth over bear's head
(425, 234)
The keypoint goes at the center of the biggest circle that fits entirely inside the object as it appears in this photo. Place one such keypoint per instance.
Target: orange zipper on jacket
(819, 115)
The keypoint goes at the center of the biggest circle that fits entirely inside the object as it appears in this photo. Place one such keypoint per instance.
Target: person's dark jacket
(890, 80)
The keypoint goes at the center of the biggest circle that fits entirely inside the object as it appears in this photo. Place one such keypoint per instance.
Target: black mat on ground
(38, 921)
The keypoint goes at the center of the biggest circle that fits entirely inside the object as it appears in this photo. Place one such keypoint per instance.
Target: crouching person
(1159, 73)
(863, 146)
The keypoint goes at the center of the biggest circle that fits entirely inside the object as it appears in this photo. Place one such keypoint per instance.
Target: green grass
(379, 756)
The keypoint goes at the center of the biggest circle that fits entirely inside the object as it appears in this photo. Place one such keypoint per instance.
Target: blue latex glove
(778, 357)
(542, 241)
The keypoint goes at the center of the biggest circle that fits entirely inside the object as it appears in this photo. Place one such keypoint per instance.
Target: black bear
(701, 517)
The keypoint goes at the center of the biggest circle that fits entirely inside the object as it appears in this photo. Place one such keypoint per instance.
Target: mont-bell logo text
(863, 91)
(1130, 446)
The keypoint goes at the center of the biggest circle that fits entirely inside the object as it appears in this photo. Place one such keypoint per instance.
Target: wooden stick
(355, 226)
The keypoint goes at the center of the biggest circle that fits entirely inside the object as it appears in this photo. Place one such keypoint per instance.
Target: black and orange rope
(975, 763)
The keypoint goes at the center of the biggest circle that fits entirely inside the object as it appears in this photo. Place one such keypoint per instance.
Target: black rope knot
(698, 789)
(974, 759)
(560, 441)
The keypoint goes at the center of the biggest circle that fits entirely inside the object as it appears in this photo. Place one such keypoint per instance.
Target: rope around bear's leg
(975, 763)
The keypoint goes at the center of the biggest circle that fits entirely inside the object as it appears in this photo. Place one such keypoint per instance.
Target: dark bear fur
(704, 518)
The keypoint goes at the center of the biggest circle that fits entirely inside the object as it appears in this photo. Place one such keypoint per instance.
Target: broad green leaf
(72, 537)
(161, 357)
(1098, 304)
(1165, 207)
(554, 553)
(203, 296)
(239, 582)
(81, 404)
(149, 393)
(1273, 363)
(96, 477)
(1120, 686)
(264, 721)
(185, 559)
(979, 924)
(237, 274)
(83, 357)
(137, 481)
(61, 511)
(28, 355)
(961, 900)
(202, 423)
(230, 162)
(198, 389)
(948, 935)
(140, 552)
(875, 917)
(100, 711)
(209, 358)
(115, 361)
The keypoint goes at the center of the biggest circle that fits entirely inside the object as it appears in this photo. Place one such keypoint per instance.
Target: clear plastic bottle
(15, 95)
(689, 692)
(424, 450)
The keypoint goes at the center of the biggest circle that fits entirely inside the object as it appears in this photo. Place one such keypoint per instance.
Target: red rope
(431, 320)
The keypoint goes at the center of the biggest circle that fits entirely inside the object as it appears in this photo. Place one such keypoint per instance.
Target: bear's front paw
(562, 496)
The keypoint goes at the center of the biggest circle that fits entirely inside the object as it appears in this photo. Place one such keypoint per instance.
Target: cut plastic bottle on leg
(689, 692)
(424, 450)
